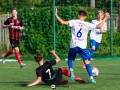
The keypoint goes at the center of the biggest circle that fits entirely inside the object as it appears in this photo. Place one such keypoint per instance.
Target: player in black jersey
(14, 24)
(48, 75)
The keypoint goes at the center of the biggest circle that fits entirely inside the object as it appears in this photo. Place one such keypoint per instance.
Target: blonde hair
(100, 11)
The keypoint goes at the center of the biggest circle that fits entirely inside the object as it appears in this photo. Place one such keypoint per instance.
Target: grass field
(12, 77)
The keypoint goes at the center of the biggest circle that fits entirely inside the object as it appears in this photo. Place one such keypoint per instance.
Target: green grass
(12, 77)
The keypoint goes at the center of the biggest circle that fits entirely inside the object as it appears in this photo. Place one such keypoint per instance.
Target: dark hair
(38, 57)
(14, 9)
(82, 13)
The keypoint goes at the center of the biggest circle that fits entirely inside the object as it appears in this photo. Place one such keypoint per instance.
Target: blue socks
(71, 69)
(89, 70)
(70, 64)
(91, 53)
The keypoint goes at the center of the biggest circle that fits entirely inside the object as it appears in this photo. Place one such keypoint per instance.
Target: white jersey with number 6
(79, 30)
(97, 36)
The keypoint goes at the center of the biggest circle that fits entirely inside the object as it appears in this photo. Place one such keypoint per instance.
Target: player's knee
(13, 51)
(16, 49)
(93, 47)
(86, 62)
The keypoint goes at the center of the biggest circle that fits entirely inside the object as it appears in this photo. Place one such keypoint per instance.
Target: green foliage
(39, 32)
(39, 29)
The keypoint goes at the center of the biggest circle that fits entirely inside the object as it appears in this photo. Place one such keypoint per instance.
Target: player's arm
(7, 25)
(55, 55)
(103, 31)
(59, 19)
(98, 26)
(21, 27)
(35, 82)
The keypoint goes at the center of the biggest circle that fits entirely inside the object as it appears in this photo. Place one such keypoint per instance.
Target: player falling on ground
(14, 24)
(47, 74)
(80, 29)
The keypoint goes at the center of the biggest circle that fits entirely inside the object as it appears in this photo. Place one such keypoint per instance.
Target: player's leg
(85, 55)
(17, 54)
(71, 56)
(93, 48)
(66, 72)
(6, 55)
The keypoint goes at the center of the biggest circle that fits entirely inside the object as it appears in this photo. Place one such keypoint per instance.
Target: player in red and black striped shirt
(14, 24)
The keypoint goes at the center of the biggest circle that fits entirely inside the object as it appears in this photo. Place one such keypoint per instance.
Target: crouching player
(48, 75)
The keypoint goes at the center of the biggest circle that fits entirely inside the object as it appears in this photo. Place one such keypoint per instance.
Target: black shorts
(57, 79)
(14, 43)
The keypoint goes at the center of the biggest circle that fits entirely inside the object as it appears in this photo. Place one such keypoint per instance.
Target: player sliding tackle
(48, 75)
(80, 29)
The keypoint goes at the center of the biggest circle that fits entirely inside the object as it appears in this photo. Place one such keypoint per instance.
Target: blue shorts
(82, 52)
(94, 43)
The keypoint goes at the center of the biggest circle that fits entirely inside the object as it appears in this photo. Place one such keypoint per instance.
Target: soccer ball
(95, 71)
(53, 86)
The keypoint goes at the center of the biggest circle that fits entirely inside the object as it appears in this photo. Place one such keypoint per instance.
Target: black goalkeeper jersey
(47, 73)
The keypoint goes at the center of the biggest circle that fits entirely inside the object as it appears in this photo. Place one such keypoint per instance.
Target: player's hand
(56, 11)
(52, 51)
(21, 28)
(11, 24)
(29, 85)
(107, 15)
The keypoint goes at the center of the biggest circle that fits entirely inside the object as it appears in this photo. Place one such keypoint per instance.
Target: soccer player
(79, 30)
(96, 35)
(14, 24)
(47, 74)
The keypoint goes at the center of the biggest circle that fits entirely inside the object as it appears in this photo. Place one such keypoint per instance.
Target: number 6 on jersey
(79, 33)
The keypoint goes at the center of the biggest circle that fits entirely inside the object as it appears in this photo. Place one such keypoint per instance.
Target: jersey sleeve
(105, 26)
(71, 23)
(39, 72)
(91, 26)
(7, 22)
(21, 22)
(52, 62)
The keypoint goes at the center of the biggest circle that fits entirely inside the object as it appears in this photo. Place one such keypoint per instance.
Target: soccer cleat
(71, 74)
(93, 81)
(80, 80)
(3, 60)
(22, 65)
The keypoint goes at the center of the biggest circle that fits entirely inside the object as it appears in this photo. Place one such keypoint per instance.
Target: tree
(92, 3)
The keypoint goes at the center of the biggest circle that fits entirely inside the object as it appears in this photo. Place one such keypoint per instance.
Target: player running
(47, 74)
(14, 24)
(96, 37)
(79, 30)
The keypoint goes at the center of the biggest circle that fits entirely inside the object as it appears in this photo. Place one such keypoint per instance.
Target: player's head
(14, 12)
(38, 57)
(82, 14)
(100, 14)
